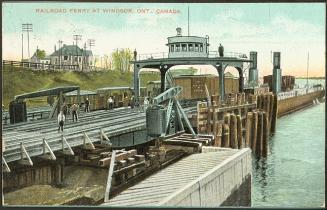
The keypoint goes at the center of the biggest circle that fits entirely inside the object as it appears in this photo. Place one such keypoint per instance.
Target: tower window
(196, 48)
(177, 47)
(184, 47)
(201, 47)
(190, 47)
(171, 48)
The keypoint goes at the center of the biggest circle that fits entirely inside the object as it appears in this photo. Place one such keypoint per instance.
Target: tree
(40, 54)
(121, 59)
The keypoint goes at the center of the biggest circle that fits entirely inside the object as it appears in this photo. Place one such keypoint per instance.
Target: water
(303, 82)
(293, 174)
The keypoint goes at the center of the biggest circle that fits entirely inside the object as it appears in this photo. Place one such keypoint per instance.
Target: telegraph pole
(22, 47)
(188, 20)
(27, 27)
(308, 71)
(77, 38)
(60, 52)
(91, 43)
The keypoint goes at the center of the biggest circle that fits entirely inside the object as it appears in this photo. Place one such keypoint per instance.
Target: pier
(215, 177)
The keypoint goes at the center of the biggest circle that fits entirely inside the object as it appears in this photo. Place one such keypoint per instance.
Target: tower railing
(211, 54)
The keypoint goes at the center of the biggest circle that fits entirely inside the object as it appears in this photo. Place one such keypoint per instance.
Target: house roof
(71, 50)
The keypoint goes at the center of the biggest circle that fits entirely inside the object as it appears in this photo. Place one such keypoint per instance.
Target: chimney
(55, 48)
(179, 31)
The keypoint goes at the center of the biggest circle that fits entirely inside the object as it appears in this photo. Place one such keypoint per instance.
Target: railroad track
(31, 134)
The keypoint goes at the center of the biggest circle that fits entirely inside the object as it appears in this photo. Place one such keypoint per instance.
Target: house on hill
(72, 55)
(36, 58)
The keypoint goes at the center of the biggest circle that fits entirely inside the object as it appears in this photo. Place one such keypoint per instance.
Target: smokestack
(253, 71)
(179, 31)
(277, 73)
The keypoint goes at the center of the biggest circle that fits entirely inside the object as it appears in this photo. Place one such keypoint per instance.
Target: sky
(294, 29)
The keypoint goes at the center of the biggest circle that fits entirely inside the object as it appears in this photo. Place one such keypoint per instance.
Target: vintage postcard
(163, 104)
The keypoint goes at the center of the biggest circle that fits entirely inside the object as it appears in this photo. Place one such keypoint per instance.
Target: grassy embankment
(18, 81)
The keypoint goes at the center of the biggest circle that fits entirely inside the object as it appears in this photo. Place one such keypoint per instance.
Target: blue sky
(292, 28)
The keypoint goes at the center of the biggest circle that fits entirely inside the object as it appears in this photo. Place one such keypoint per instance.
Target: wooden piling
(271, 112)
(227, 118)
(209, 119)
(254, 131)
(274, 115)
(248, 136)
(225, 142)
(259, 133)
(264, 150)
(239, 131)
(219, 133)
(233, 131)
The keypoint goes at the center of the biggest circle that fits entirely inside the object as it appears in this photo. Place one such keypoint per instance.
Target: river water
(293, 174)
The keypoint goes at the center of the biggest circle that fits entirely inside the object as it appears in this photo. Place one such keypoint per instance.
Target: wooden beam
(128, 168)
(87, 143)
(46, 148)
(65, 144)
(5, 166)
(111, 169)
(104, 138)
(24, 161)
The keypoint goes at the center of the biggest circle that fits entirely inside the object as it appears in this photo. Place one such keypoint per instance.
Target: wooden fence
(46, 66)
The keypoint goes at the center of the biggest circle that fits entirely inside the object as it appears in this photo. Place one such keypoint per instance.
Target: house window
(75, 59)
(196, 48)
(190, 47)
(56, 60)
(184, 47)
(177, 47)
(201, 47)
(80, 59)
(66, 57)
(171, 48)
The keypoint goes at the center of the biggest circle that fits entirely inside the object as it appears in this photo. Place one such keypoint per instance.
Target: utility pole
(27, 27)
(188, 20)
(77, 38)
(91, 43)
(22, 47)
(308, 71)
(83, 56)
(60, 52)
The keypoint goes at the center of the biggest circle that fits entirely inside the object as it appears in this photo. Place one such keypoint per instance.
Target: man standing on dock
(74, 112)
(110, 103)
(145, 104)
(61, 121)
(221, 50)
(87, 105)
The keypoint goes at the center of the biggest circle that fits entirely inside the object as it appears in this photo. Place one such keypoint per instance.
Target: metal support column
(220, 70)
(162, 79)
(240, 80)
(136, 81)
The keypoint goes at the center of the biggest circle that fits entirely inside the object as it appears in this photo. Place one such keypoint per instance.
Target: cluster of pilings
(243, 121)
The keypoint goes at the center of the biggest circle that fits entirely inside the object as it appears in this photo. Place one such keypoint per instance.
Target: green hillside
(18, 81)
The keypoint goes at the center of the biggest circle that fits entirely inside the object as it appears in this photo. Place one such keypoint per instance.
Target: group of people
(74, 109)
(62, 116)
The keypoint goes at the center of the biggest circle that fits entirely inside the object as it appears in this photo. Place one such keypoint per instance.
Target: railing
(45, 66)
(211, 54)
(298, 92)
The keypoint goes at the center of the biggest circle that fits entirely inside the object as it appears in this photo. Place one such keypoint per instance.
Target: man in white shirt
(110, 103)
(145, 103)
(61, 121)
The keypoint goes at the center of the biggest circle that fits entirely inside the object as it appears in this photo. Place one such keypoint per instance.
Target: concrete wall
(218, 185)
(292, 104)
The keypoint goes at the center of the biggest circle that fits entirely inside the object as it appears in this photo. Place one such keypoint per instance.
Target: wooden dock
(208, 179)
